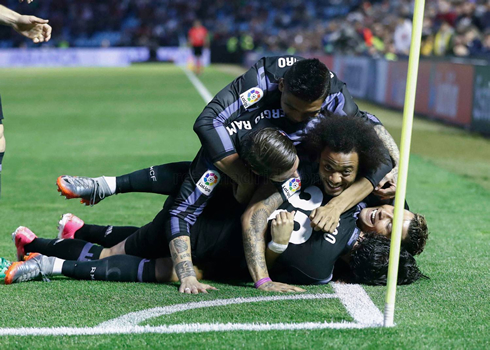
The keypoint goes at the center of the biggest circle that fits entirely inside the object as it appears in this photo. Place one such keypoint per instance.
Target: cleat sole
(64, 191)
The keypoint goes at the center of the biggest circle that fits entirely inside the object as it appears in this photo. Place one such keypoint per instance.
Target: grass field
(112, 121)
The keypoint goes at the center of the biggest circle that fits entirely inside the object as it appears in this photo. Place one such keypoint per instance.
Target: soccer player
(31, 27)
(349, 151)
(198, 40)
(107, 236)
(34, 28)
(307, 258)
(290, 92)
(343, 130)
(276, 150)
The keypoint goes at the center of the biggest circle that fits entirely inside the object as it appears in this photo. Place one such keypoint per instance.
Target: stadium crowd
(374, 28)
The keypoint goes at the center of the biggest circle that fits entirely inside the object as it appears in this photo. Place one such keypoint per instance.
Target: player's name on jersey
(237, 125)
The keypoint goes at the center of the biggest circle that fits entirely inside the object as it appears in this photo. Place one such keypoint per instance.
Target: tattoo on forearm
(252, 244)
(180, 246)
(184, 269)
(183, 256)
(253, 238)
(273, 202)
(259, 220)
(388, 142)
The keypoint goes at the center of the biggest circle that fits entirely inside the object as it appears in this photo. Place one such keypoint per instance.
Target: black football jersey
(311, 255)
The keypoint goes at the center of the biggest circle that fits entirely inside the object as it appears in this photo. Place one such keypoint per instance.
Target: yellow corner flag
(408, 111)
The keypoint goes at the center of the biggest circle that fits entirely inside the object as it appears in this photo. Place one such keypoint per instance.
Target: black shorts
(215, 237)
(197, 51)
(150, 241)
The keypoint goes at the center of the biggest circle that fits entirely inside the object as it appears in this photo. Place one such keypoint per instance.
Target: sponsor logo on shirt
(251, 96)
(208, 182)
(291, 186)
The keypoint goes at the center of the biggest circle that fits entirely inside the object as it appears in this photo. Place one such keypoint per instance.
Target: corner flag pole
(408, 111)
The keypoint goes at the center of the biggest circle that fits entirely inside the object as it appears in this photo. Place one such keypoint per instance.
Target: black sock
(68, 249)
(117, 268)
(160, 179)
(106, 236)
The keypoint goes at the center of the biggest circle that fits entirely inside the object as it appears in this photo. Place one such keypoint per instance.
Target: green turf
(112, 121)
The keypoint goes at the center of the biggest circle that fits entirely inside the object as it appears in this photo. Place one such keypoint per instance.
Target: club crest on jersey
(291, 186)
(251, 96)
(208, 182)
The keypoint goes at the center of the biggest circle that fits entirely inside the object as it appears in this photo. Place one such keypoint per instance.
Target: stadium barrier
(95, 57)
(451, 92)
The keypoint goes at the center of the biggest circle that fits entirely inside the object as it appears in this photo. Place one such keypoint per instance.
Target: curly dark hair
(346, 135)
(369, 262)
(417, 235)
(309, 80)
(269, 152)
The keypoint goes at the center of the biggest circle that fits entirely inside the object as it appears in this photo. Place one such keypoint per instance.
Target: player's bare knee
(164, 271)
(118, 249)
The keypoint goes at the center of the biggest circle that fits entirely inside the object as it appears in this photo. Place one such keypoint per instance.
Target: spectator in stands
(403, 36)
(443, 41)
(308, 26)
(484, 51)
(427, 45)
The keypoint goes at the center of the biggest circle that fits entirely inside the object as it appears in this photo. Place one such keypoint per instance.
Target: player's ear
(281, 84)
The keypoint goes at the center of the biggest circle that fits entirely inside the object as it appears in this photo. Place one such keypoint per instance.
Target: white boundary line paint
(354, 298)
(135, 318)
(206, 96)
(358, 304)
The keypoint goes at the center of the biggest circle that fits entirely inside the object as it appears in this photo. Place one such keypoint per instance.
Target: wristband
(262, 281)
(277, 248)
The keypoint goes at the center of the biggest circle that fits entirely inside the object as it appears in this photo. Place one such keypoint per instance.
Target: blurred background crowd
(458, 28)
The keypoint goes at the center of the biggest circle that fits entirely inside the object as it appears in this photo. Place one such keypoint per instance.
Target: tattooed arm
(254, 225)
(180, 249)
(387, 187)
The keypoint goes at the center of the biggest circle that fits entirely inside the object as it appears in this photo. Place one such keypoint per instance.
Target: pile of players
(293, 184)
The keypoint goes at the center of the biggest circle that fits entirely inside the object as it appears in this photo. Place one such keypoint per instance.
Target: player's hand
(386, 188)
(325, 218)
(282, 227)
(243, 192)
(190, 285)
(280, 287)
(33, 28)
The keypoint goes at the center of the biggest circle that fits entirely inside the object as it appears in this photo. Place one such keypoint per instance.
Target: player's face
(380, 220)
(293, 172)
(338, 170)
(297, 110)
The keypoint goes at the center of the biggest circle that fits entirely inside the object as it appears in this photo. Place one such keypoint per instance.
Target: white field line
(206, 96)
(135, 318)
(358, 304)
(352, 296)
